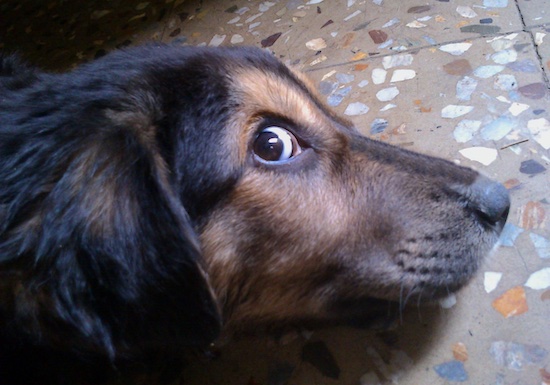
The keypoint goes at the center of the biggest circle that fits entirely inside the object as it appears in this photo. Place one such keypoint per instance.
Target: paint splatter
(465, 87)
(465, 130)
(532, 215)
(378, 125)
(316, 44)
(498, 128)
(542, 245)
(378, 36)
(401, 75)
(531, 167)
(460, 352)
(488, 71)
(483, 155)
(458, 67)
(397, 60)
(356, 108)
(539, 280)
(270, 40)
(511, 303)
(509, 234)
(491, 280)
(516, 356)
(533, 90)
(456, 49)
(387, 94)
(452, 371)
(540, 129)
(454, 111)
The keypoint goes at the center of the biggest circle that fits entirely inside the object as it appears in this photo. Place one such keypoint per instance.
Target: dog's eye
(275, 144)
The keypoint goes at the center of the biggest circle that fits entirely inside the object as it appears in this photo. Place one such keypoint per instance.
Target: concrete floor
(465, 80)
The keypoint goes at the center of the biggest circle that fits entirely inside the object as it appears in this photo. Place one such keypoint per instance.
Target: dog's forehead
(286, 93)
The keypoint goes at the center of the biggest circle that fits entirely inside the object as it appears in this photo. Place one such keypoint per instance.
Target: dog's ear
(107, 256)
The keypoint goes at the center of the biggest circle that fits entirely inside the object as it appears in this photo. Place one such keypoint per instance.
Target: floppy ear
(106, 258)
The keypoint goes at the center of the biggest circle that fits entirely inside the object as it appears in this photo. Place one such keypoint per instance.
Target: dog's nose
(490, 200)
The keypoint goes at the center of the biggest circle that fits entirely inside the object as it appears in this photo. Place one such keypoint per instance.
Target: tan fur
(284, 247)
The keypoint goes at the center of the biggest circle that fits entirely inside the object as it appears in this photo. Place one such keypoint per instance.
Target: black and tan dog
(155, 194)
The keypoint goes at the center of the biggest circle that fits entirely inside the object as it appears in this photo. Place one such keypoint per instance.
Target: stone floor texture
(465, 80)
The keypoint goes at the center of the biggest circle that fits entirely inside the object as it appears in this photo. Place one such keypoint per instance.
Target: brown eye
(275, 144)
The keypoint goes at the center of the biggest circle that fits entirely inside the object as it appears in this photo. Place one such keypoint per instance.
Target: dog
(155, 195)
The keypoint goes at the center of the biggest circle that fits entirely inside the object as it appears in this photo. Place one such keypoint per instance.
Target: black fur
(98, 256)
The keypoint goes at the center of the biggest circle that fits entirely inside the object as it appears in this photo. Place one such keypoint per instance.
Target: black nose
(490, 200)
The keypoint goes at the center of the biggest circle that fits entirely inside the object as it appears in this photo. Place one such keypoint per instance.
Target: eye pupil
(276, 144)
(269, 146)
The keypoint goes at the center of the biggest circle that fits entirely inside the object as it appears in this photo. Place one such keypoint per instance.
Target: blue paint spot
(509, 234)
(452, 371)
(336, 98)
(526, 65)
(487, 20)
(378, 126)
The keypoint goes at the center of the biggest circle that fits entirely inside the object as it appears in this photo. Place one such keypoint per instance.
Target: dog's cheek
(270, 251)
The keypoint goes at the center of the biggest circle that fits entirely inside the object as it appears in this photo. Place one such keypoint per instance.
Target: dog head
(150, 191)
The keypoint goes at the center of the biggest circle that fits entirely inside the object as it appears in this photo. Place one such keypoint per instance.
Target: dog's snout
(490, 201)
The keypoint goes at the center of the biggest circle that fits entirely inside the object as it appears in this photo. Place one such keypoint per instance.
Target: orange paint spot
(417, 102)
(511, 183)
(460, 353)
(511, 303)
(360, 67)
(532, 215)
(347, 40)
(425, 109)
(462, 23)
(359, 56)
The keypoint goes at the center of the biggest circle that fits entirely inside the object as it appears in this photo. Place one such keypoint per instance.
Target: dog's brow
(268, 91)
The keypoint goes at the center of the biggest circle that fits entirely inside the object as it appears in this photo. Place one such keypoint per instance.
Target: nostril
(490, 200)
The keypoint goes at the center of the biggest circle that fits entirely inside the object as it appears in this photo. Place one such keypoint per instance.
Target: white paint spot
(387, 94)
(465, 87)
(316, 44)
(357, 108)
(542, 245)
(217, 40)
(517, 108)
(539, 280)
(454, 111)
(485, 72)
(466, 129)
(505, 56)
(455, 49)
(393, 21)
(352, 15)
(539, 37)
(387, 107)
(401, 75)
(540, 129)
(236, 39)
(483, 155)
(465, 11)
(378, 75)
(397, 60)
(448, 302)
(491, 280)
(416, 24)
